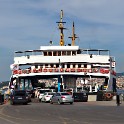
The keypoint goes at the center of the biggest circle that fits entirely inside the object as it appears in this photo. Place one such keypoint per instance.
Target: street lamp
(60, 87)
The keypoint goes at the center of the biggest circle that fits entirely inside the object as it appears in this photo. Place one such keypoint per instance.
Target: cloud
(27, 24)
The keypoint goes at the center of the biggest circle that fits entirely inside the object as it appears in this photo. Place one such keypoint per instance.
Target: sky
(29, 24)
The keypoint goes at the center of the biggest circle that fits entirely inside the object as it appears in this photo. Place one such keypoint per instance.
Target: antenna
(51, 42)
(73, 37)
(61, 28)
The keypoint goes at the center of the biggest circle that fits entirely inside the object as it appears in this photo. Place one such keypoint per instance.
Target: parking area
(92, 112)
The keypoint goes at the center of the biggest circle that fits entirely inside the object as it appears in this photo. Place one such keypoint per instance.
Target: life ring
(19, 71)
(34, 70)
(15, 72)
(95, 70)
(89, 70)
(61, 70)
(67, 70)
(50, 70)
(84, 70)
(40, 70)
(79, 70)
(24, 71)
(28, 71)
(108, 95)
(72, 70)
(102, 71)
(45, 70)
(56, 69)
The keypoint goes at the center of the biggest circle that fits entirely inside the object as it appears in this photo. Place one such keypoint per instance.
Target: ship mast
(73, 37)
(61, 28)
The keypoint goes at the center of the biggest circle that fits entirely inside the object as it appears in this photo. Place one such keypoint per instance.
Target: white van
(41, 93)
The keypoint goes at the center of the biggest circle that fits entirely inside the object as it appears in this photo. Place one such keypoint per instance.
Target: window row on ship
(67, 65)
(49, 53)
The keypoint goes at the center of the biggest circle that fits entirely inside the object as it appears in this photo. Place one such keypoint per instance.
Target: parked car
(47, 96)
(80, 96)
(31, 93)
(41, 93)
(19, 97)
(61, 98)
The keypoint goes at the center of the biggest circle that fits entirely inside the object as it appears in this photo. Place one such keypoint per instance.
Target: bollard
(118, 100)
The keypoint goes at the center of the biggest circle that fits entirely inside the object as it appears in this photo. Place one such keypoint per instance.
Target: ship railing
(64, 70)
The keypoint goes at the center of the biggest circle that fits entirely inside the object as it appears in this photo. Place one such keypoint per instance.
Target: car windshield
(50, 93)
(43, 91)
(20, 93)
(65, 94)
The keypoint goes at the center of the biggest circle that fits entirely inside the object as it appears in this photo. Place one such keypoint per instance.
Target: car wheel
(51, 102)
(11, 102)
(59, 102)
(45, 100)
(39, 100)
(71, 103)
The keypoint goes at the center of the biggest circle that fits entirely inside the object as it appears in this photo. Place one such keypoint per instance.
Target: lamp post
(60, 88)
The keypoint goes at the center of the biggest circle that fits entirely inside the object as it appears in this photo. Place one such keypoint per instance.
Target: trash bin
(99, 96)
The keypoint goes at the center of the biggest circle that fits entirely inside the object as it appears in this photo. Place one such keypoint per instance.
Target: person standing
(118, 99)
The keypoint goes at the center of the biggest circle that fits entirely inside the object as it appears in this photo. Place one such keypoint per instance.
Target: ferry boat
(66, 62)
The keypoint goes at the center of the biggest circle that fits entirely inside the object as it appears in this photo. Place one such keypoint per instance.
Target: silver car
(61, 98)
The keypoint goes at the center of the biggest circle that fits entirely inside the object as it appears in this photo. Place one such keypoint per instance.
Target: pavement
(104, 103)
(92, 103)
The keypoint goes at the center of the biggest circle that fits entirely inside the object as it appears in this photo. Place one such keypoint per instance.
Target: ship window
(41, 66)
(62, 65)
(74, 66)
(85, 65)
(54, 53)
(46, 65)
(68, 52)
(68, 65)
(63, 53)
(79, 65)
(45, 53)
(79, 52)
(36, 66)
(57, 65)
(73, 53)
(59, 53)
(50, 53)
(51, 65)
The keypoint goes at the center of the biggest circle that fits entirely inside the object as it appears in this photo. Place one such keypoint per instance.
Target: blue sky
(28, 24)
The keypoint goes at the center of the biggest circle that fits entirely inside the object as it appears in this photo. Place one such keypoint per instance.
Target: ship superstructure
(65, 62)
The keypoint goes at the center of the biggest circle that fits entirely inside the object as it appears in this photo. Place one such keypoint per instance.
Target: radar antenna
(61, 28)
(73, 37)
